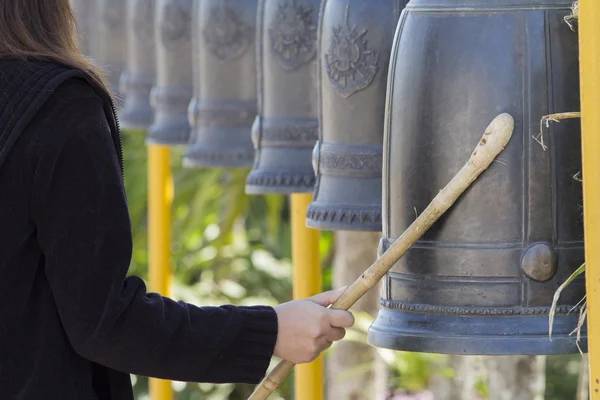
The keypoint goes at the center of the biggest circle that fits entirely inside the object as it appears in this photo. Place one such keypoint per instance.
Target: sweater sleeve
(79, 206)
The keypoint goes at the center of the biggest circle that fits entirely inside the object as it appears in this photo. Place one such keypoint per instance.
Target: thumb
(326, 298)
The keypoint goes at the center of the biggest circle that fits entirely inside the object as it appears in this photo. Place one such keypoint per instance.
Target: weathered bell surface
(224, 104)
(84, 12)
(174, 73)
(287, 125)
(356, 42)
(482, 279)
(138, 79)
(109, 48)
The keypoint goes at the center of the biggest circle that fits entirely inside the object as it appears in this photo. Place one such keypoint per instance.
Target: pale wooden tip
(502, 122)
(498, 133)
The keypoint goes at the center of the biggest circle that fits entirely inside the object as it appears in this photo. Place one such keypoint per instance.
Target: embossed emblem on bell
(84, 12)
(356, 42)
(293, 32)
(174, 88)
(138, 79)
(224, 105)
(482, 279)
(106, 43)
(225, 33)
(351, 65)
(286, 128)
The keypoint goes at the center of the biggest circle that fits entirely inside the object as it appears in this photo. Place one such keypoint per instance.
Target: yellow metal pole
(589, 65)
(308, 378)
(160, 200)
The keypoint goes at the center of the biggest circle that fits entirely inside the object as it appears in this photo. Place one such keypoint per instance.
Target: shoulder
(71, 119)
(74, 89)
(73, 115)
(73, 105)
(43, 83)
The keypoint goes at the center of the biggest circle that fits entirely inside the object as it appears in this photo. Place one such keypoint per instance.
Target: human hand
(307, 327)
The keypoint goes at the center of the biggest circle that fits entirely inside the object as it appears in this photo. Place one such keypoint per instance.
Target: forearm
(155, 336)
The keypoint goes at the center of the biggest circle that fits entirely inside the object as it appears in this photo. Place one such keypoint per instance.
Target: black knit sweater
(72, 325)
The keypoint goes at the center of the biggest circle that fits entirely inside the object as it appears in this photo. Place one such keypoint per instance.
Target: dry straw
(545, 121)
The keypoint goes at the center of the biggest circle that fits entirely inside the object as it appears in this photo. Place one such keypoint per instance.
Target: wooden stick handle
(493, 141)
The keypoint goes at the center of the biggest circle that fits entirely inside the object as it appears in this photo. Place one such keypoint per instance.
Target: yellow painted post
(160, 200)
(589, 48)
(306, 259)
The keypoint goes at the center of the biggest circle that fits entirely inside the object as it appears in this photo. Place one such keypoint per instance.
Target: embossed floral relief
(143, 21)
(112, 15)
(176, 24)
(226, 34)
(351, 65)
(293, 34)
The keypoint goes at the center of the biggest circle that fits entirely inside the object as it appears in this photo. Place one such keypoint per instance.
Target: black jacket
(72, 325)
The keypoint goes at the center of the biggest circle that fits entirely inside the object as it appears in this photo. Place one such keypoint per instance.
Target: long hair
(43, 30)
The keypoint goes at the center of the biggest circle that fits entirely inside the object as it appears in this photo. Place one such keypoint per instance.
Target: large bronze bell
(138, 79)
(224, 105)
(286, 128)
(84, 12)
(109, 48)
(482, 279)
(355, 45)
(174, 73)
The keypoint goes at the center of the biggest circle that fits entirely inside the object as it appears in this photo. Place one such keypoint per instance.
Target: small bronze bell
(84, 12)
(224, 106)
(174, 73)
(356, 41)
(138, 79)
(108, 46)
(287, 126)
(481, 280)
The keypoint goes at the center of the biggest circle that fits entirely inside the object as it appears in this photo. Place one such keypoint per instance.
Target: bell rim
(260, 190)
(135, 117)
(267, 182)
(465, 338)
(172, 133)
(214, 160)
(332, 217)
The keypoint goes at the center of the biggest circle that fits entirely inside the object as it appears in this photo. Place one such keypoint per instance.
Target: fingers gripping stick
(493, 141)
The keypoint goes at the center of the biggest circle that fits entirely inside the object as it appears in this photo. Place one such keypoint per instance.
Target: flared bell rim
(270, 182)
(428, 332)
(174, 133)
(470, 4)
(344, 218)
(136, 118)
(217, 158)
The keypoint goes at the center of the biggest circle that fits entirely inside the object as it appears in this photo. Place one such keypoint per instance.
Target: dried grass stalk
(582, 312)
(493, 141)
(540, 139)
(574, 16)
(546, 119)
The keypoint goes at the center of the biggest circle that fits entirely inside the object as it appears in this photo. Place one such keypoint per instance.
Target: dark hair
(43, 29)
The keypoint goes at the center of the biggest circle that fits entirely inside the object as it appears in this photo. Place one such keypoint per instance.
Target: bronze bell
(224, 104)
(286, 128)
(481, 280)
(84, 12)
(138, 79)
(356, 41)
(108, 47)
(174, 73)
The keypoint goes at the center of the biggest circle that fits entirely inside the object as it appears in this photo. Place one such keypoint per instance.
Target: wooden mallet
(493, 141)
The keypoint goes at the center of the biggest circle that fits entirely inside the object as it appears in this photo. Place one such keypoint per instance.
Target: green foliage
(561, 376)
(411, 371)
